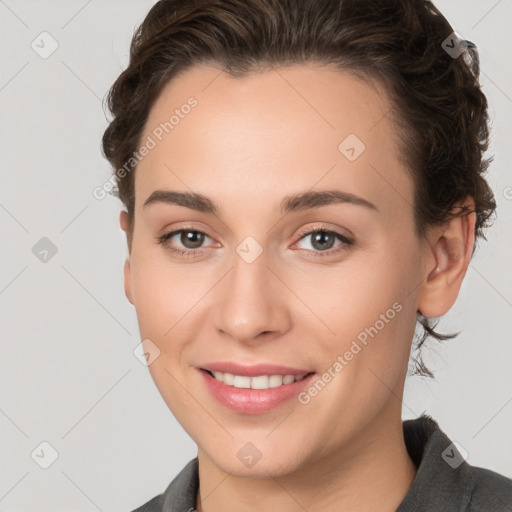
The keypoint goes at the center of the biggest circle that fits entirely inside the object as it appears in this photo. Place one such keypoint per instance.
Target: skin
(249, 143)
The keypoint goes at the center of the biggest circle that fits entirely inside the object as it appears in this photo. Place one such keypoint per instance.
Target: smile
(254, 394)
(256, 382)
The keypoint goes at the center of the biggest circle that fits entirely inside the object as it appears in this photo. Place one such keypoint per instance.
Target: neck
(374, 472)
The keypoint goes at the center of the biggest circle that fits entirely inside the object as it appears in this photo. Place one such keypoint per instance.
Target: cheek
(164, 306)
(163, 292)
(169, 300)
(369, 307)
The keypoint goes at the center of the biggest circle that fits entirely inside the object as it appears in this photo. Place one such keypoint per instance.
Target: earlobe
(451, 249)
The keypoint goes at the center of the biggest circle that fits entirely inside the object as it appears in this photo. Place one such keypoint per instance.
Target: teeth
(274, 381)
(258, 382)
(242, 382)
(288, 379)
(227, 378)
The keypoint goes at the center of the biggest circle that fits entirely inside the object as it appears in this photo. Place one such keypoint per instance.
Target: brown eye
(323, 240)
(187, 242)
(192, 239)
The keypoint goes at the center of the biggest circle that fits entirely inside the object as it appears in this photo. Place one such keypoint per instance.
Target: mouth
(257, 393)
(256, 381)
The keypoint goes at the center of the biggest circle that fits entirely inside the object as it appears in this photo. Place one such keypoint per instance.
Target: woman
(303, 184)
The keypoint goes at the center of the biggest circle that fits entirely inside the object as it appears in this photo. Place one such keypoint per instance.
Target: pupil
(321, 236)
(192, 237)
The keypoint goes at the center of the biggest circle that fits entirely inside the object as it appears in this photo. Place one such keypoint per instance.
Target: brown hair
(439, 108)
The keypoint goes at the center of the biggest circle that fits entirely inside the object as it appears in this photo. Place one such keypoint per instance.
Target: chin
(245, 460)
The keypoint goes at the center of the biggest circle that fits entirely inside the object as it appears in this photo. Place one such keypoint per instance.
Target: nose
(252, 303)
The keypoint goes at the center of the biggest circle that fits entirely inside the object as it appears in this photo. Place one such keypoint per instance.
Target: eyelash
(346, 241)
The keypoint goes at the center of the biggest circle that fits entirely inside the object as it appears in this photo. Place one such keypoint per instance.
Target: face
(251, 283)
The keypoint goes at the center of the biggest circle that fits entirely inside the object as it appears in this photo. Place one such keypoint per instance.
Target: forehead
(273, 133)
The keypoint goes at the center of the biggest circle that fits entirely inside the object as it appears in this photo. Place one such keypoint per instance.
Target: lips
(275, 385)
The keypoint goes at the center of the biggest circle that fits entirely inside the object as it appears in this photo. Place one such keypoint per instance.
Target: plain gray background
(68, 375)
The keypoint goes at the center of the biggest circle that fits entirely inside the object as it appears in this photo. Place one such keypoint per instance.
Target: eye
(191, 239)
(323, 240)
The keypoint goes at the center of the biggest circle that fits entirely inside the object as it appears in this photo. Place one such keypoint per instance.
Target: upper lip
(253, 370)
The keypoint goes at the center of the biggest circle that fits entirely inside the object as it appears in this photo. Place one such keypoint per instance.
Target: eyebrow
(300, 202)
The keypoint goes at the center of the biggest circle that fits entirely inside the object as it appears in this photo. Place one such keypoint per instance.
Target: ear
(450, 248)
(123, 222)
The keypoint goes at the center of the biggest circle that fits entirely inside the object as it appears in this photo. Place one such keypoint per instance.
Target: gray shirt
(445, 482)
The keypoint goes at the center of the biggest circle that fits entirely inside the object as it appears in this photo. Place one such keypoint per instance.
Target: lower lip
(253, 401)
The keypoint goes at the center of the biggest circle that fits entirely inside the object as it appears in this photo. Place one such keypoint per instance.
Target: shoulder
(445, 480)
(492, 492)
